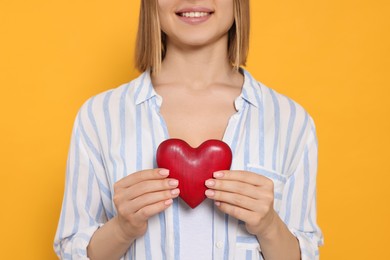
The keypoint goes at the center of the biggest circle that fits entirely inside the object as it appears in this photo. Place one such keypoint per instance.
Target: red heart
(193, 166)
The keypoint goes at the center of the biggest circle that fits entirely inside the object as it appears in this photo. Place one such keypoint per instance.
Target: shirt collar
(143, 88)
(251, 91)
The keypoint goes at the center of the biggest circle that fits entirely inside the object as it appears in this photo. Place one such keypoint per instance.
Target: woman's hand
(140, 196)
(246, 196)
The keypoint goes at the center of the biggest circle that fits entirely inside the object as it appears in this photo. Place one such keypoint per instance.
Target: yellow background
(331, 56)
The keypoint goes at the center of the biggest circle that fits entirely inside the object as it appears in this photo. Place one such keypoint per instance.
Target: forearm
(109, 242)
(279, 243)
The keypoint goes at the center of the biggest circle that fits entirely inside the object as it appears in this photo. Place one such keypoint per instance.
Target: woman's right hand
(140, 196)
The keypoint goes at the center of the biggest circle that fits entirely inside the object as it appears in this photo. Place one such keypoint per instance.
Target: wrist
(277, 242)
(121, 234)
(272, 229)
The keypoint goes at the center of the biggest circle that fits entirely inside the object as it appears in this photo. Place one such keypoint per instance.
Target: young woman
(118, 204)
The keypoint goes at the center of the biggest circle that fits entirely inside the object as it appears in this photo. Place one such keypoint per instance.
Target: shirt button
(219, 244)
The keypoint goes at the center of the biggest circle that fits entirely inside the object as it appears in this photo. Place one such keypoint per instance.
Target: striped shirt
(117, 133)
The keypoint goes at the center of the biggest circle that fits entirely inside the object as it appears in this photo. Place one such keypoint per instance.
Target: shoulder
(291, 125)
(111, 100)
(102, 113)
(288, 119)
(279, 106)
(283, 105)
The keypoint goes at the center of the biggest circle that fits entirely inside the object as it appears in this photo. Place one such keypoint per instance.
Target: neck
(197, 67)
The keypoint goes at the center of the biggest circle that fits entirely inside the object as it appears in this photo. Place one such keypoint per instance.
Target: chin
(198, 41)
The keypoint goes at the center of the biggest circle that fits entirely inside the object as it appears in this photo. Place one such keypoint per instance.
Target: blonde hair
(151, 41)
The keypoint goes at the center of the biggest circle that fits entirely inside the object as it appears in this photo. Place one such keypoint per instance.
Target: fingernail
(163, 172)
(173, 182)
(175, 191)
(210, 193)
(210, 183)
(218, 174)
(217, 203)
(168, 202)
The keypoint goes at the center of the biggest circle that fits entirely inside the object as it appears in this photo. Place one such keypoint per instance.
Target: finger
(251, 218)
(131, 207)
(242, 214)
(129, 194)
(148, 211)
(238, 187)
(233, 199)
(145, 187)
(137, 177)
(152, 198)
(244, 176)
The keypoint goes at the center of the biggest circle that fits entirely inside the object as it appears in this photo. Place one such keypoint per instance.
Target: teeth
(194, 14)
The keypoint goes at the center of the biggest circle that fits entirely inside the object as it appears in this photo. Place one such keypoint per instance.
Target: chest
(133, 141)
(197, 120)
(255, 144)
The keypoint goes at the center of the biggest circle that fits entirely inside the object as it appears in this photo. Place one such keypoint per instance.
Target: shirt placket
(161, 135)
(225, 227)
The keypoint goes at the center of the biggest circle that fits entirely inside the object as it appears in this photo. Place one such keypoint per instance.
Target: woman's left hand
(246, 196)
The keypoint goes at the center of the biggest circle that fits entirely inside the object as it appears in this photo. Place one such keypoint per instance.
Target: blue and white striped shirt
(117, 133)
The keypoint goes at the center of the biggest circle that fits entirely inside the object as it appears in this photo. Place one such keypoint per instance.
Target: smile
(194, 14)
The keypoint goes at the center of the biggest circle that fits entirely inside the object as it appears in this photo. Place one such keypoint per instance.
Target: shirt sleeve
(82, 209)
(299, 209)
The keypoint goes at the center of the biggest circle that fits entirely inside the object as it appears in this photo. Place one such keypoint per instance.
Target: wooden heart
(193, 166)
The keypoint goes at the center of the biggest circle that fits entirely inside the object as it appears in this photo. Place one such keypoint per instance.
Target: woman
(117, 203)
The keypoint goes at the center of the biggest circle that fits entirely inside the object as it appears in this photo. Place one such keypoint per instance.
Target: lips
(194, 10)
(194, 15)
